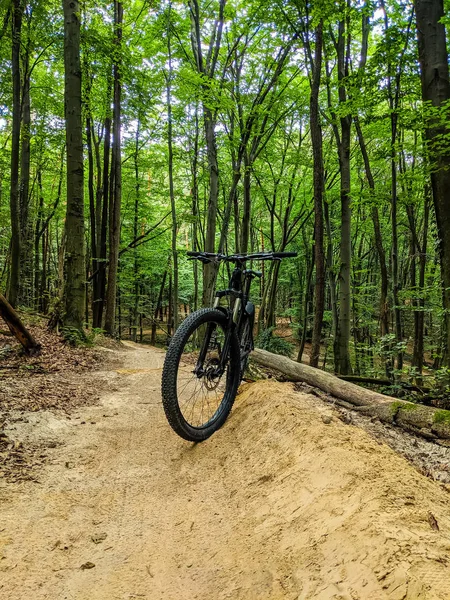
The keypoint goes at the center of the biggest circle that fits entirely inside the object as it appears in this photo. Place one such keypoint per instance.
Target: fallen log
(386, 382)
(17, 328)
(430, 423)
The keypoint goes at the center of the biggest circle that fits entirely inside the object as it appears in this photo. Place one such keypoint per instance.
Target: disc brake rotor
(211, 379)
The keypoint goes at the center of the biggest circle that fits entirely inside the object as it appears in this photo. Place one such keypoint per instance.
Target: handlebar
(285, 254)
(207, 257)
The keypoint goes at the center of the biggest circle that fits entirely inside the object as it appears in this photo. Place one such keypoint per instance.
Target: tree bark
(24, 189)
(158, 306)
(316, 140)
(342, 362)
(137, 187)
(14, 277)
(306, 302)
(17, 328)
(433, 59)
(246, 206)
(75, 288)
(116, 200)
(99, 286)
(174, 297)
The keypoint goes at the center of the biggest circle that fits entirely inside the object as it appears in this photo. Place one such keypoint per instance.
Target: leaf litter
(59, 379)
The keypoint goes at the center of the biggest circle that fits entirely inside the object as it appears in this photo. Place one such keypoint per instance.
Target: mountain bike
(209, 352)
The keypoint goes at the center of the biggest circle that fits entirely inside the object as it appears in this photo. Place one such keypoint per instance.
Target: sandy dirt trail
(286, 501)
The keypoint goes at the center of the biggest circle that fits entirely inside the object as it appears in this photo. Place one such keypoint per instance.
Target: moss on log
(430, 423)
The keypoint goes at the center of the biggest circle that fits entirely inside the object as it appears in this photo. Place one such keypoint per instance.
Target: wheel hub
(211, 374)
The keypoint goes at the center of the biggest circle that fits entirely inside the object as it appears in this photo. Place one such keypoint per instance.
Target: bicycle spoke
(200, 397)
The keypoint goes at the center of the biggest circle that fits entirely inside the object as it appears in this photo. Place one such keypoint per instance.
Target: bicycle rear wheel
(197, 395)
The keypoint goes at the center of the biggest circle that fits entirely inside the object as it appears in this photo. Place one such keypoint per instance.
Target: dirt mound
(340, 515)
(284, 502)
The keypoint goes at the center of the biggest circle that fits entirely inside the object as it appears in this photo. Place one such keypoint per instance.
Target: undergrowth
(266, 340)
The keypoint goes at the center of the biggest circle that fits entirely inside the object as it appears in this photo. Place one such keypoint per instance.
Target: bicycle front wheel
(197, 393)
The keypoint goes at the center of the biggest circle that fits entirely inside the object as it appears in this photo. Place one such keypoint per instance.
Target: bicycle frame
(239, 288)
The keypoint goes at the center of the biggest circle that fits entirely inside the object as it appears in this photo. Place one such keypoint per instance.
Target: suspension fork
(210, 329)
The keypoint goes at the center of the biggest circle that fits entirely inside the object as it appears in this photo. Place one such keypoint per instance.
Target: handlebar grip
(192, 253)
(285, 254)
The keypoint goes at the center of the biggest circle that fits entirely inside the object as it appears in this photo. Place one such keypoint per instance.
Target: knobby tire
(174, 414)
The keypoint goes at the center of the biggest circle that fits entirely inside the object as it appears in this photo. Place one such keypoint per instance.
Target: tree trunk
(306, 302)
(92, 205)
(342, 362)
(14, 276)
(169, 311)
(174, 297)
(316, 140)
(24, 190)
(75, 289)
(158, 307)
(134, 315)
(209, 269)
(331, 274)
(99, 287)
(433, 59)
(419, 314)
(246, 209)
(116, 199)
(271, 319)
(195, 211)
(9, 315)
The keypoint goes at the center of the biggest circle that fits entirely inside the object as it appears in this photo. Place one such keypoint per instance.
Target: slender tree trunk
(134, 316)
(169, 311)
(331, 275)
(75, 250)
(246, 209)
(316, 140)
(341, 346)
(37, 237)
(14, 276)
(264, 299)
(306, 303)
(209, 269)
(43, 296)
(92, 211)
(195, 211)
(420, 313)
(394, 219)
(24, 190)
(384, 308)
(100, 278)
(158, 307)
(116, 200)
(174, 297)
(271, 320)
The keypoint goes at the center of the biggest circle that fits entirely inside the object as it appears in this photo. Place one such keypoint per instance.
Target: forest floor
(288, 500)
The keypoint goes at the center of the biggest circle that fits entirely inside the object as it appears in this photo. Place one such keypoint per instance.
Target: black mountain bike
(209, 352)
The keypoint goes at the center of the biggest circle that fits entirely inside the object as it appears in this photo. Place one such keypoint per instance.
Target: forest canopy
(131, 132)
